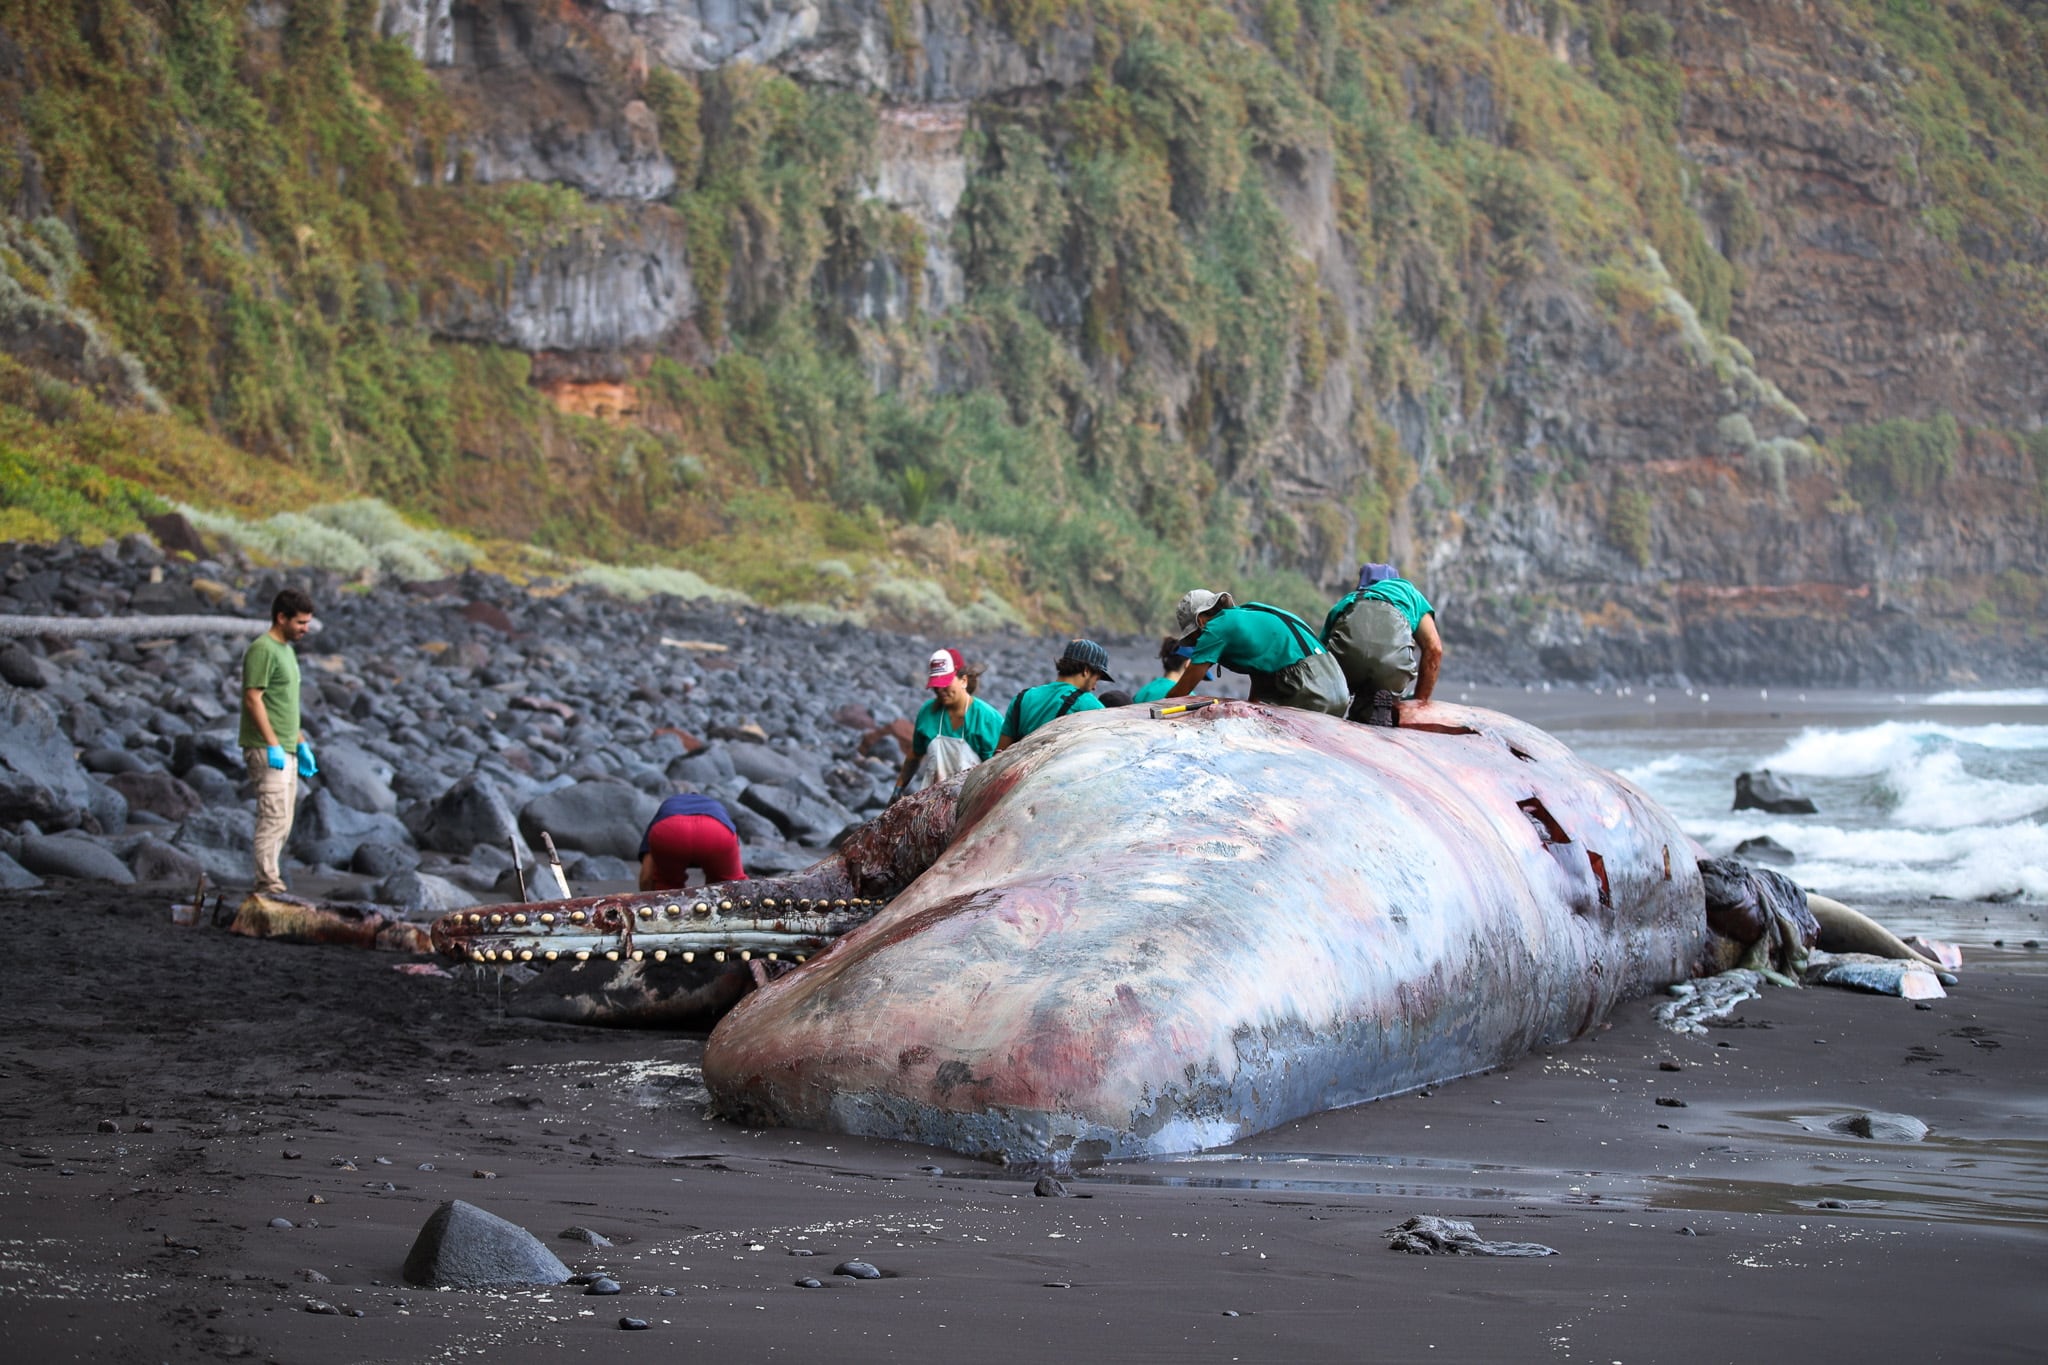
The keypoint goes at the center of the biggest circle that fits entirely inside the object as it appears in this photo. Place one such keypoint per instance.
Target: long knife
(555, 862)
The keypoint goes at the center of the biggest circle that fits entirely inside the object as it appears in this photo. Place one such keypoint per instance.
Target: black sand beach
(244, 1080)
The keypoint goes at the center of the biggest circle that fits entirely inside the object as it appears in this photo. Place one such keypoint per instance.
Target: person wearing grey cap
(1287, 664)
(1082, 664)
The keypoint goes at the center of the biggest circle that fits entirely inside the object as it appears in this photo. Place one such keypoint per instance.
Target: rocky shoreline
(456, 720)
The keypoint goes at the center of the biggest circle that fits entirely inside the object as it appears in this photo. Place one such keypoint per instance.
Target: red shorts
(682, 842)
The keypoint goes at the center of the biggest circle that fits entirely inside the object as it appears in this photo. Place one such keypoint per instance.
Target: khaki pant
(277, 794)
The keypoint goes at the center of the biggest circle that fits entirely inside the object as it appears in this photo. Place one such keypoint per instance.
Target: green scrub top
(1154, 690)
(273, 667)
(1036, 706)
(981, 728)
(1254, 638)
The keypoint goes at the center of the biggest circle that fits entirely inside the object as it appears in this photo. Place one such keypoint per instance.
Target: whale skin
(1151, 935)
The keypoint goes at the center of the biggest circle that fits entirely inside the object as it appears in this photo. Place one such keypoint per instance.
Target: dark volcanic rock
(214, 748)
(1766, 791)
(1765, 849)
(471, 812)
(23, 669)
(797, 816)
(15, 877)
(156, 792)
(155, 861)
(40, 779)
(603, 817)
(58, 855)
(327, 832)
(358, 778)
(109, 809)
(464, 1247)
(421, 893)
(213, 786)
(375, 859)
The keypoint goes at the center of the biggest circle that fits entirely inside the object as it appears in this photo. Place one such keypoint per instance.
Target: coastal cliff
(1650, 338)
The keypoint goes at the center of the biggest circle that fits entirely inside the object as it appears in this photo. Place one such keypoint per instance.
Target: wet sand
(239, 1075)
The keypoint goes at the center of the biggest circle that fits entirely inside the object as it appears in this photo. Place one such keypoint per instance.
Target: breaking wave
(2008, 696)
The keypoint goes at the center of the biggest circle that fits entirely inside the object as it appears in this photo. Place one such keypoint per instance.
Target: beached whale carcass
(1135, 935)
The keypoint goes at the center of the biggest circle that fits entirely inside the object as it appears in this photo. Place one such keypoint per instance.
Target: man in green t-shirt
(1287, 664)
(1082, 664)
(270, 726)
(1384, 635)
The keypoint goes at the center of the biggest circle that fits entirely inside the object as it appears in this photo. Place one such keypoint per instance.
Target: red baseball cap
(946, 666)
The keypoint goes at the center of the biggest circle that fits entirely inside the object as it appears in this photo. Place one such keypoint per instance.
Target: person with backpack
(1082, 664)
(1384, 636)
(1173, 661)
(1287, 664)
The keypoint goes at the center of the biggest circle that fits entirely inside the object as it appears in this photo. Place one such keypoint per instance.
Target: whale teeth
(661, 954)
(551, 955)
(644, 912)
(718, 956)
(672, 911)
(583, 954)
(768, 903)
(526, 954)
(689, 957)
(700, 908)
(746, 956)
(639, 955)
(725, 907)
(773, 958)
(548, 919)
(611, 955)
(519, 919)
(497, 920)
(577, 917)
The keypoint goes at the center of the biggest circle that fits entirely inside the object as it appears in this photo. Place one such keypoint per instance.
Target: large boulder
(23, 669)
(1764, 790)
(15, 877)
(152, 860)
(799, 816)
(378, 859)
(357, 777)
(421, 893)
(709, 767)
(214, 748)
(464, 1247)
(108, 807)
(471, 812)
(759, 763)
(156, 792)
(606, 817)
(40, 779)
(221, 839)
(328, 833)
(79, 856)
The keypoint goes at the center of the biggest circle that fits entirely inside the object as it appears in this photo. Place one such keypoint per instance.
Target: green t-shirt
(274, 667)
(1254, 638)
(1398, 593)
(1035, 706)
(981, 728)
(1154, 690)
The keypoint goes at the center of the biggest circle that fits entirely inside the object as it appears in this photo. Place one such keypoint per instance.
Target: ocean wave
(1968, 864)
(2008, 696)
(1935, 791)
(1645, 774)
(1874, 749)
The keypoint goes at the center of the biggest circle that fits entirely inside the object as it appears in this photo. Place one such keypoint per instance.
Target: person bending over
(1082, 664)
(1384, 636)
(1287, 664)
(689, 830)
(1173, 661)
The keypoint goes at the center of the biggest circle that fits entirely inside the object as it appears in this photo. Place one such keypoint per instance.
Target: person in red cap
(952, 713)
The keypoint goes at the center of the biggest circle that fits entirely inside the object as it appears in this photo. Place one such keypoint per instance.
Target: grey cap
(1194, 605)
(1089, 653)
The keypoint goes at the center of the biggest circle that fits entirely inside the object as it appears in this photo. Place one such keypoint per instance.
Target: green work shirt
(1034, 706)
(982, 727)
(1398, 593)
(1249, 639)
(273, 667)
(1154, 690)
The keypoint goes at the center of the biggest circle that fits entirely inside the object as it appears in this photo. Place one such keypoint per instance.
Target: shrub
(1900, 460)
(1629, 524)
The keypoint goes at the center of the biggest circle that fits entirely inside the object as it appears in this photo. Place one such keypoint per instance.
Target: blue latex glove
(307, 767)
(276, 756)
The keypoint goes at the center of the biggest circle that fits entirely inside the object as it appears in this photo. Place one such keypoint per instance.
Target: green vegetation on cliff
(270, 209)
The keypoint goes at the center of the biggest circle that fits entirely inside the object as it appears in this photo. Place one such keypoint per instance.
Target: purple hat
(1376, 573)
